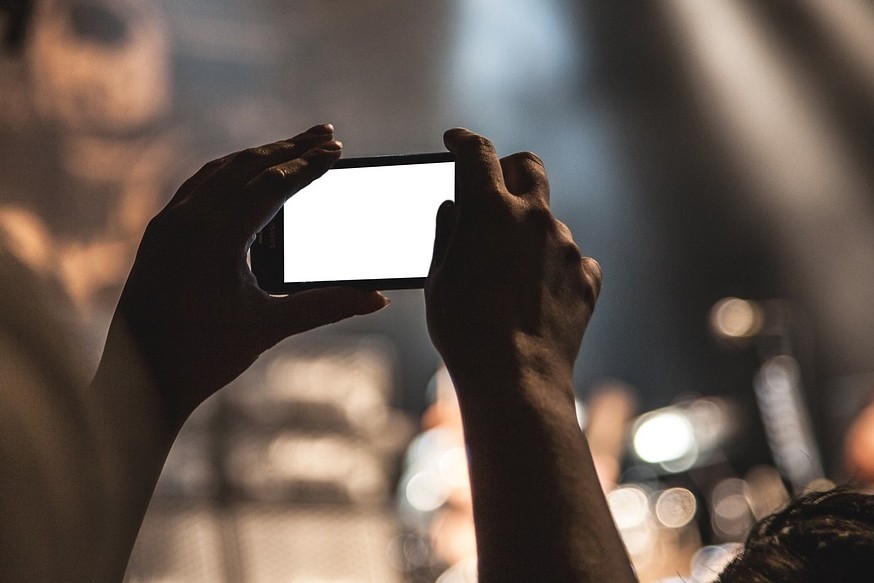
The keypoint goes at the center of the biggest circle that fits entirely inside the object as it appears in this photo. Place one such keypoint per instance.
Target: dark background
(697, 151)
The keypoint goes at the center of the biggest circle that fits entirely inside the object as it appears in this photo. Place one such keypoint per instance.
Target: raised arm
(191, 318)
(508, 299)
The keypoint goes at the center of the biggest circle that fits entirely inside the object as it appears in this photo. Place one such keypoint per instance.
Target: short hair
(821, 536)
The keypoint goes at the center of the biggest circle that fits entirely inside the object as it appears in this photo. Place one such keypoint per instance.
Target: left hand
(191, 305)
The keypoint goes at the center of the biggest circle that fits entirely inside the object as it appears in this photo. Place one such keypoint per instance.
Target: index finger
(478, 169)
(268, 191)
(240, 167)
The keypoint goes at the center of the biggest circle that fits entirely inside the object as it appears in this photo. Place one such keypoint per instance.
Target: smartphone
(367, 222)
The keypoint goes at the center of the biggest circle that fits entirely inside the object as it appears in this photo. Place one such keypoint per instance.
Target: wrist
(527, 364)
(129, 391)
(134, 434)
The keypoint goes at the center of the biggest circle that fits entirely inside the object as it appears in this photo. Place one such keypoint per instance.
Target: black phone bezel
(265, 254)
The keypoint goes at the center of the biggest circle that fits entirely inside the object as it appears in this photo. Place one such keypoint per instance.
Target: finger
(446, 220)
(478, 169)
(265, 194)
(248, 163)
(310, 309)
(245, 163)
(524, 174)
(564, 231)
(196, 180)
(594, 275)
(239, 168)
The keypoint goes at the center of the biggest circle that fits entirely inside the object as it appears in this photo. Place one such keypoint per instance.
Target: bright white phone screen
(375, 222)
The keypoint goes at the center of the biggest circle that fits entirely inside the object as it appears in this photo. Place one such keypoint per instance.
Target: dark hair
(819, 537)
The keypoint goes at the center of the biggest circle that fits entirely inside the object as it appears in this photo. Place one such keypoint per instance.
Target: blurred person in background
(90, 140)
(507, 301)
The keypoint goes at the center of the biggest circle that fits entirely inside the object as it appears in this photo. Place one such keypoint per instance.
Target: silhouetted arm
(508, 299)
(190, 319)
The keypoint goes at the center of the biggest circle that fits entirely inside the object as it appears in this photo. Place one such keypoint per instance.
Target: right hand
(508, 290)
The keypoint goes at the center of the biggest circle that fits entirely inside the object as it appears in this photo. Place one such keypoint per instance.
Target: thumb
(302, 311)
(447, 216)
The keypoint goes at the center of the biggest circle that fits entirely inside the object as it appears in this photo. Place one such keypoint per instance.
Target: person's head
(821, 536)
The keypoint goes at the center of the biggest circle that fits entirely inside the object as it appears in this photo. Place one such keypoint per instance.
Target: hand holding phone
(368, 222)
(191, 310)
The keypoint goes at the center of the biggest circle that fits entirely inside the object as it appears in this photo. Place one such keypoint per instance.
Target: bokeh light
(663, 436)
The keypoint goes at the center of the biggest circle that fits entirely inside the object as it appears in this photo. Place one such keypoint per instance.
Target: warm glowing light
(426, 491)
(629, 506)
(676, 507)
(736, 318)
(664, 436)
(731, 515)
(453, 467)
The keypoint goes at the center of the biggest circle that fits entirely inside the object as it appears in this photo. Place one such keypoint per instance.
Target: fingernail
(371, 302)
(535, 158)
(381, 302)
(331, 146)
(325, 128)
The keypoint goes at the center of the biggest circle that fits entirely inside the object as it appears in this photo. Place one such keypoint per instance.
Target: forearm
(539, 511)
(79, 463)
(135, 435)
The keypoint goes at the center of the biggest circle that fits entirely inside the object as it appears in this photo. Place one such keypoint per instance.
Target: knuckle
(526, 166)
(531, 158)
(539, 217)
(275, 177)
(594, 278)
(571, 252)
(480, 143)
(251, 154)
(537, 172)
(163, 227)
(263, 153)
(564, 232)
(213, 165)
